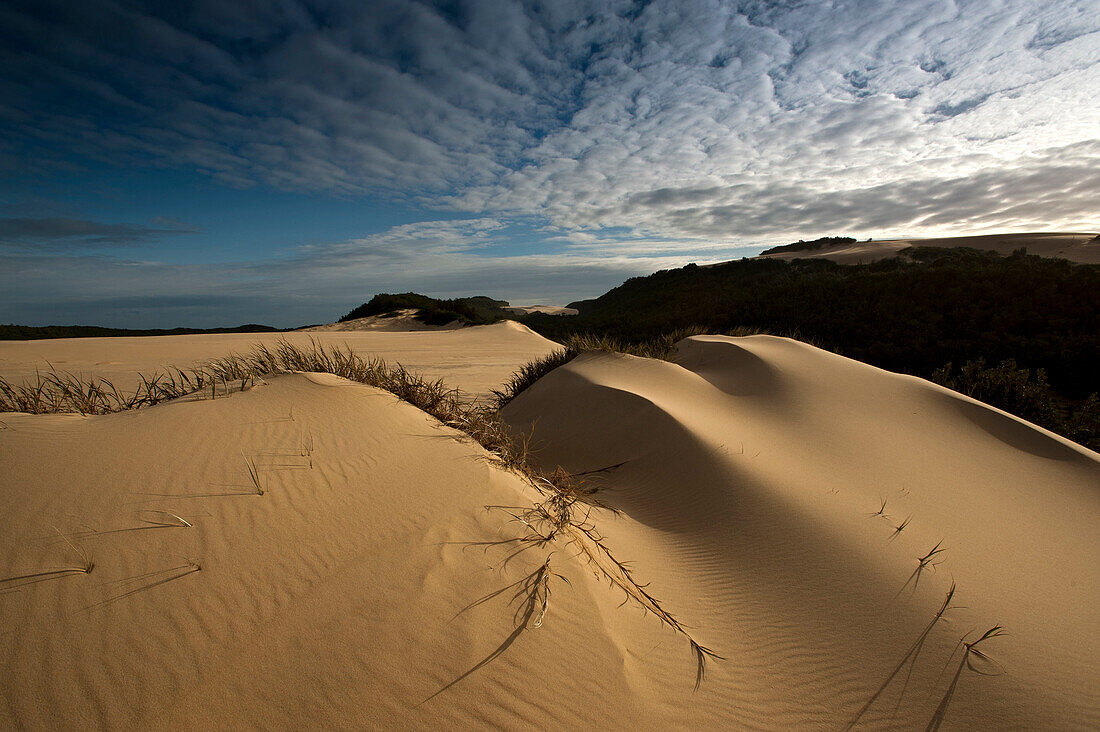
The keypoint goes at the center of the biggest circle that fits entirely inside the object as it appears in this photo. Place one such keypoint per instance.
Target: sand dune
(1076, 247)
(472, 359)
(358, 590)
(749, 474)
(332, 600)
(545, 309)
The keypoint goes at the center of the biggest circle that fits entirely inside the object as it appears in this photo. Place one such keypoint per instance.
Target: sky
(215, 163)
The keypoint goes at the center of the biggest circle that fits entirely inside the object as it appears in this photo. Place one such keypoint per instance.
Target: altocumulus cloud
(573, 111)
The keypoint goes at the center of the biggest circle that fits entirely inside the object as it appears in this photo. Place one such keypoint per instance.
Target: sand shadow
(909, 659)
(154, 579)
(1013, 432)
(533, 592)
(731, 368)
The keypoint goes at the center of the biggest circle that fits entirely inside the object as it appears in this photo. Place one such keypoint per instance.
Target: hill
(828, 243)
(479, 310)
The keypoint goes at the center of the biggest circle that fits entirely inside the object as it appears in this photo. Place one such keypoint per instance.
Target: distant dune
(1076, 247)
(805, 515)
(545, 309)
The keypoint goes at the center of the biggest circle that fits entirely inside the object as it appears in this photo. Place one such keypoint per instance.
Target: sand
(1083, 248)
(474, 360)
(544, 309)
(358, 590)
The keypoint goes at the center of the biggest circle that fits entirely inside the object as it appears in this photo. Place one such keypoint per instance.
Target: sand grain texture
(750, 472)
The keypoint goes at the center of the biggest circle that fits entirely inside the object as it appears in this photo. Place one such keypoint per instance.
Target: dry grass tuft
(662, 347)
(85, 567)
(254, 474)
(927, 563)
(986, 667)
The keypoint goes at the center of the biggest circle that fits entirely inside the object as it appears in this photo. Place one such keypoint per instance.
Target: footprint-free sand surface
(760, 485)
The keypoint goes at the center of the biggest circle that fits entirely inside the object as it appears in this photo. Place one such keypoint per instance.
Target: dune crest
(1080, 247)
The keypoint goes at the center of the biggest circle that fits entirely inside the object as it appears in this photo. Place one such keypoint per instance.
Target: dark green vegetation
(29, 333)
(913, 314)
(809, 246)
(478, 310)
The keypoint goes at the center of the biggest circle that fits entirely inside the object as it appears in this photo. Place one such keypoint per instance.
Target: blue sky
(213, 163)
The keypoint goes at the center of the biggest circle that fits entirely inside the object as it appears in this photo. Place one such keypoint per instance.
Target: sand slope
(750, 472)
(366, 587)
(474, 360)
(1076, 247)
(334, 600)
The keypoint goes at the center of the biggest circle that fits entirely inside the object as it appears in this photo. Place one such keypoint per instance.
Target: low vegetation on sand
(1026, 394)
(556, 517)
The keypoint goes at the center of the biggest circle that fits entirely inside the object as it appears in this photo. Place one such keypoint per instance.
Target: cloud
(502, 106)
(624, 135)
(947, 109)
(1056, 185)
(68, 233)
